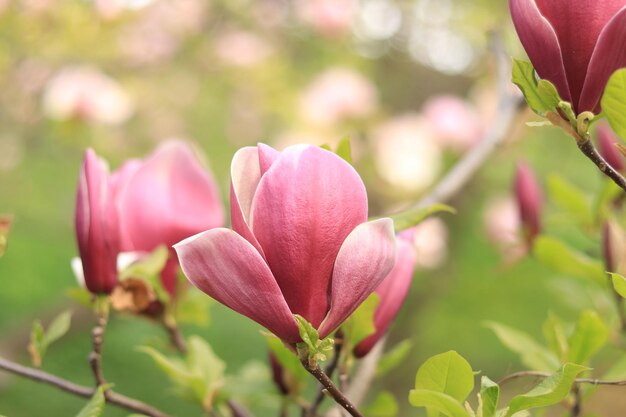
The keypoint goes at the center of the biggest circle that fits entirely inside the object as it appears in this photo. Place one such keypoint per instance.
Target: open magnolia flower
(300, 244)
(575, 44)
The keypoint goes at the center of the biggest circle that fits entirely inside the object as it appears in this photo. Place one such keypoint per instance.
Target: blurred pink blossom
(336, 94)
(430, 241)
(239, 48)
(406, 155)
(455, 123)
(328, 17)
(502, 222)
(86, 93)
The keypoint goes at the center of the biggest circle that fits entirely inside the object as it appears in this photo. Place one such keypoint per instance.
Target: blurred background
(411, 83)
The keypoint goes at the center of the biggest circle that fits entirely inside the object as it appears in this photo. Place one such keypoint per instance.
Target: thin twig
(95, 356)
(539, 374)
(587, 148)
(176, 337)
(112, 397)
(578, 401)
(330, 370)
(313, 368)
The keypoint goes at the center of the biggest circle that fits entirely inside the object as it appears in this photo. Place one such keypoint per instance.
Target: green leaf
(308, 333)
(384, 405)
(489, 396)
(554, 334)
(571, 199)
(589, 336)
(360, 324)
(394, 357)
(95, 406)
(619, 284)
(438, 402)
(448, 373)
(614, 102)
(541, 95)
(531, 353)
(410, 218)
(551, 390)
(344, 150)
(59, 326)
(559, 257)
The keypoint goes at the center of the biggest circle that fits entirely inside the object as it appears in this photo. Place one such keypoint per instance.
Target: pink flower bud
(96, 224)
(606, 143)
(575, 44)
(300, 244)
(392, 293)
(529, 200)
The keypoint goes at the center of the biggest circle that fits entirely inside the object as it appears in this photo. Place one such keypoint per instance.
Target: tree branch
(112, 397)
(330, 369)
(540, 374)
(95, 356)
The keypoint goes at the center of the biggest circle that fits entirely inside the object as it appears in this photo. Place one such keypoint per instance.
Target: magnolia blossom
(502, 222)
(392, 293)
(455, 124)
(87, 94)
(575, 44)
(529, 199)
(607, 140)
(142, 205)
(329, 17)
(300, 244)
(239, 48)
(430, 242)
(338, 94)
(406, 154)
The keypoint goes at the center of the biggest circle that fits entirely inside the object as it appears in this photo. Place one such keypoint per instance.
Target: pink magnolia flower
(529, 200)
(242, 49)
(392, 293)
(338, 94)
(144, 204)
(575, 44)
(97, 225)
(455, 124)
(502, 222)
(300, 244)
(329, 17)
(606, 143)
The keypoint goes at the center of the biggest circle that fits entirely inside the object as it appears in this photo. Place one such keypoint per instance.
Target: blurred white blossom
(455, 123)
(430, 240)
(502, 223)
(328, 17)
(239, 48)
(86, 93)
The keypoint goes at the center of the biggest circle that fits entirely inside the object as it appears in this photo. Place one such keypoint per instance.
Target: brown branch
(112, 397)
(95, 356)
(176, 338)
(539, 374)
(313, 368)
(587, 148)
(330, 370)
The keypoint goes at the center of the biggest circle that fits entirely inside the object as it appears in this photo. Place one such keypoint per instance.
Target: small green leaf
(360, 324)
(384, 405)
(308, 333)
(619, 284)
(36, 346)
(394, 357)
(541, 95)
(59, 326)
(571, 199)
(344, 150)
(561, 258)
(438, 402)
(551, 390)
(589, 336)
(555, 336)
(407, 219)
(614, 102)
(448, 373)
(95, 406)
(489, 396)
(531, 353)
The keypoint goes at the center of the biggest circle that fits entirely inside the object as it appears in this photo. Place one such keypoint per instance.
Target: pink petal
(541, 44)
(609, 56)
(267, 156)
(392, 292)
(245, 174)
(169, 198)
(96, 223)
(577, 24)
(304, 208)
(366, 257)
(228, 268)
(118, 182)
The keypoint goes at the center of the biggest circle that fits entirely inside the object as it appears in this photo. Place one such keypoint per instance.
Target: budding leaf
(531, 353)
(41, 339)
(589, 336)
(614, 102)
(619, 284)
(311, 340)
(344, 150)
(551, 390)
(561, 258)
(410, 218)
(95, 406)
(489, 396)
(541, 95)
